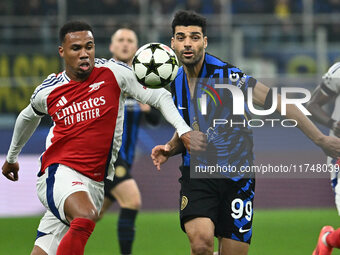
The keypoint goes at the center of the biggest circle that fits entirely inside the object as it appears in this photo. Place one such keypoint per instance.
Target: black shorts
(122, 173)
(229, 204)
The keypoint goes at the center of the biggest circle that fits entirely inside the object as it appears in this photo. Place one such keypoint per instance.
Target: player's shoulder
(217, 67)
(214, 63)
(121, 71)
(331, 80)
(213, 60)
(111, 63)
(53, 80)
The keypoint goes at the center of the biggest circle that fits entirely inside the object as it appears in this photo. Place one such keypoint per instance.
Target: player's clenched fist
(10, 170)
(194, 141)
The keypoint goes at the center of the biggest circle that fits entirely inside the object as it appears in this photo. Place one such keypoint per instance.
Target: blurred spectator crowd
(86, 7)
(281, 26)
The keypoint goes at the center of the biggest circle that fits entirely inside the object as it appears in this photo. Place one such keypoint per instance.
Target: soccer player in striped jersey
(221, 207)
(124, 188)
(86, 104)
(326, 92)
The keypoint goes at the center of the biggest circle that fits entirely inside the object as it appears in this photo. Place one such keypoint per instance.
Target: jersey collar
(66, 78)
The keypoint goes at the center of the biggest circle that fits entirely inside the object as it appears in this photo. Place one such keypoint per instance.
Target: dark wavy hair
(189, 18)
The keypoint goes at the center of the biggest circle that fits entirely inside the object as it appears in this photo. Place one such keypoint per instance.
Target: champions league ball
(155, 65)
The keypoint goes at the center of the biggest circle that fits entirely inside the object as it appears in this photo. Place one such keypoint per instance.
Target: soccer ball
(155, 65)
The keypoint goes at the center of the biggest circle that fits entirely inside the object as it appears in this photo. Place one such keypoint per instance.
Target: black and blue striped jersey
(229, 145)
(132, 119)
(132, 116)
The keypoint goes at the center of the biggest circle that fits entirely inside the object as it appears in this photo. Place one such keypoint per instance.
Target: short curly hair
(73, 26)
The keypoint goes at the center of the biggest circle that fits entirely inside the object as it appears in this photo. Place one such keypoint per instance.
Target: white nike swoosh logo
(181, 107)
(241, 230)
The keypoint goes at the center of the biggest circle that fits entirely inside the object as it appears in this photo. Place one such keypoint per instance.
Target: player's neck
(74, 77)
(192, 73)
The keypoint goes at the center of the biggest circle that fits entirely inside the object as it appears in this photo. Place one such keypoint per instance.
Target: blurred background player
(324, 94)
(124, 188)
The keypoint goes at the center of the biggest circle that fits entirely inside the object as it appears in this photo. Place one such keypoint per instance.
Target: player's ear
(205, 42)
(172, 42)
(61, 51)
(111, 48)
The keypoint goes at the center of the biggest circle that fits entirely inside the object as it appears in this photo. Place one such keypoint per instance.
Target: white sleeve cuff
(25, 126)
(183, 130)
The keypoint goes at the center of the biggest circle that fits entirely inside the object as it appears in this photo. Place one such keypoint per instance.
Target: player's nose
(84, 53)
(187, 42)
(187, 47)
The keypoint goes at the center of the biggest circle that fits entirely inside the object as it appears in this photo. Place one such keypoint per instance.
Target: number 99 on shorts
(240, 208)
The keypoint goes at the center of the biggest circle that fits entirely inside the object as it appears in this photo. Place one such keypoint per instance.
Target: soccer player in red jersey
(86, 103)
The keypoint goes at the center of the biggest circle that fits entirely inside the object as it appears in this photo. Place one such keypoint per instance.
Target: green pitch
(276, 232)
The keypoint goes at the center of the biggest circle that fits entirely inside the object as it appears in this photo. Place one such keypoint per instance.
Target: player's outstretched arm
(330, 145)
(161, 99)
(193, 141)
(319, 98)
(25, 126)
(158, 98)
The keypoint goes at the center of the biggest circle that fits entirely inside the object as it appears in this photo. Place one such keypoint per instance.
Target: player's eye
(196, 38)
(180, 38)
(75, 48)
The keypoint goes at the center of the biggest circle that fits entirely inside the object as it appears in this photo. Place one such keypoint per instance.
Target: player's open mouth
(85, 66)
(188, 54)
